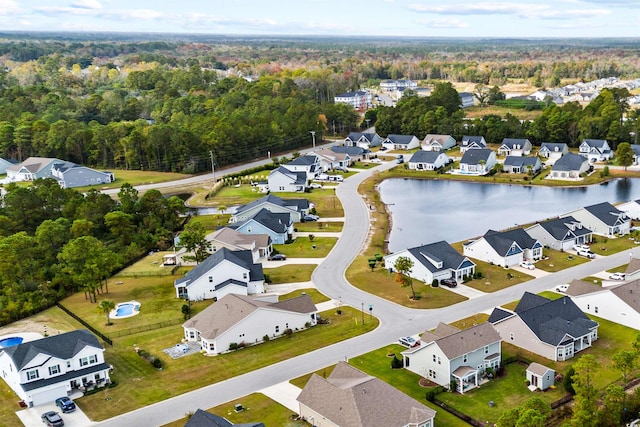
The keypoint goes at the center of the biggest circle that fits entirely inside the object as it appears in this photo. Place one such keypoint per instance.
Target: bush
(287, 332)
(567, 381)
(477, 275)
(338, 311)
(233, 346)
(157, 363)
(307, 325)
(266, 338)
(434, 283)
(396, 363)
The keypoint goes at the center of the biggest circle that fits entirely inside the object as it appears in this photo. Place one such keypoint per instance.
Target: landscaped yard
(557, 260)
(150, 265)
(315, 295)
(290, 273)
(303, 247)
(136, 177)
(605, 246)
(316, 227)
(495, 277)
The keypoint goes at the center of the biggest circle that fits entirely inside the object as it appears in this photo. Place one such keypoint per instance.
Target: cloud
(443, 23)
(9, 7)
(87, 4)
(522, 10)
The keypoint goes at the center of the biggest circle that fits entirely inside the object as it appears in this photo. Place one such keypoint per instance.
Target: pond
(427, 211)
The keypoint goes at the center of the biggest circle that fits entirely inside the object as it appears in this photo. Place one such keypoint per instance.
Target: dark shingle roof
(242, 258)
(502, 241)
(473, 138)
(498, 314)
(274, 221)
(606, 213)
(300, 177)
(473, 157)
(275, 200)
(569, 162)
(205, 419)
(521, 161)
(554, 146)
(400, 139)
(423, 156)
(304, 160)
(352, 151)
(438, 252)
(559, 228)
(595, 143)
(513, 142)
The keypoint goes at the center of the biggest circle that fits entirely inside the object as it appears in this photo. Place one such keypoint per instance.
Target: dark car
(65, 404)
(52, 419)
(311, 217)
(449, 282)
(278, 257)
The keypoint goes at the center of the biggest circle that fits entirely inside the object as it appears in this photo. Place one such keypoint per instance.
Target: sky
(422, 18)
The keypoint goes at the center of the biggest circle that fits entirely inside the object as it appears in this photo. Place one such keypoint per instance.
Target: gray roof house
(477, 162)
(505, 248)
(202, 418)
(401, 142)
(296, 207)
(309, 164)
(428, 160)
(603, 219)
(222, 273)
(32, 168)
(555, 329)
(278, 226)
(435, 261)
(226, 237)
(4, 165)
(350, 398)
(636, 153)
(514, 147)
(553, 150)
(569, 167)
(596, 150)
(71, 175)
(560, 234)
(467, 99)
(356, 153)
(283, 179)
(365, 140)
(42, 370)
(521, 164)
(472, 142)
(434, 142)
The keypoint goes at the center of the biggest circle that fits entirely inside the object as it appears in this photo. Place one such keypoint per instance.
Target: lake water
(427, 211)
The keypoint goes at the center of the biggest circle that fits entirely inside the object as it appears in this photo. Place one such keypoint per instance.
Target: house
(540, 377)
(355, 153)
(477, 162)
(631, 208)
(505, 248)
(555, 329)
(603, 219)
(569, 166)
(4, 165)
(449, 354)
(225, 237)
(350, 398)
(467, 99)
(224, 272)
(520, 164)
(428, 160)
(282, 179)
(31, 169)
(435, 261)
(636, 153)
(514, 147)
(433, 142)
(309, 164)
(618, 303)
(330, 160)
(366, 140)
(202, 418)
(401, 142)
(297, 208)
(241, 319)
(394, 85)
(472, 142)
(71, 175)
(553, 150)
(40, 371)
(278, 226)
(358, 99)
(595, 150)
(560, 234)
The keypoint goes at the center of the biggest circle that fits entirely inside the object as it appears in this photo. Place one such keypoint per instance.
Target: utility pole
(213, 169)
(313, 135)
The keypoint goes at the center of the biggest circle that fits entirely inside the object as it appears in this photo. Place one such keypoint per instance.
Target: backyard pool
(10, 341)
(126, 309)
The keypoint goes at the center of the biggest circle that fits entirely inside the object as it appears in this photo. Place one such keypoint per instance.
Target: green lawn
(605, 246)
(135, 177)
(315, 295)
(496, 277)
(291, 273)
(302, 247)
(556, 261)
(313, 227)
(150, 265)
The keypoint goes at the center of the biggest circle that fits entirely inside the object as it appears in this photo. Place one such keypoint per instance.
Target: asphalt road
(395, 320)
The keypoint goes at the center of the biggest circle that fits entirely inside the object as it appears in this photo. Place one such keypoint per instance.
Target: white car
(617, 276)
(409, 342)
(315, 185)
(562, 288)
(579, 248)
(586, 253)
(376, 160)
(527, 265)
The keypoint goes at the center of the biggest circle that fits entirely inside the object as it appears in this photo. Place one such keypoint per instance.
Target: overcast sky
(430, 18)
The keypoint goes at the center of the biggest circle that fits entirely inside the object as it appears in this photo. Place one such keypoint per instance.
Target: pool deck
(135, 312)
(26, 336)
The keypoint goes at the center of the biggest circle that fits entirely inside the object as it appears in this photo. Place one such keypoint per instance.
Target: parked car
(586, 253)
(336, 178)
(310, 217)
(315, 185)
(527, 265)
(581, 248)
(65, 404)
(409, 342)
(450, 282)
(277, 257)
(383, 148)
(376, 160)
(52, 419)
(399, 158)
(617, 276)
(562, 288)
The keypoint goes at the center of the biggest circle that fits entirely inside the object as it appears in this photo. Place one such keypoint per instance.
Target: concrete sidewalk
(285, 394)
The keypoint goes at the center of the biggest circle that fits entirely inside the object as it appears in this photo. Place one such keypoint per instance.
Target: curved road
(395, 320)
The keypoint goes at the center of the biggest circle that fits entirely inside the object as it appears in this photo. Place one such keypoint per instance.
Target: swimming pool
(126, 309)
(10, 341)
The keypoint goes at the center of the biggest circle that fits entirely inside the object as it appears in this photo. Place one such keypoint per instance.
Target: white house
(224, 272)
(522, 164)
(285, 180)
(560, 234)
(433, 142)
(365, 140)
(631, 208)
(472, 142)
(450, 354)
(243, 320)
(596, 150)
(40, 371)
(330, 160)
(226, 237)
(506, 248)
(619, 303)
(569, 167)
(514, 147)
(553, 150)
(401, 142)
(309, 164)
(477, 162)
(358, 99)
(428, 160)
(636, 153)
(435, 261)
(603, 219)
(393, 85)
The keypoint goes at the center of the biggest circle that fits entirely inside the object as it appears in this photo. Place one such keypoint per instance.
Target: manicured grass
(606, 246)
(210, 222)
(556, 261)
(313, 227)
(135, 177)
(315, 295)
(302, 247)
(257, 408)
(300, 382)
(291, 273)
(619, 269)
(150, 265)
(496, 277)
(469, 322)
(593, 279)
(383, 284)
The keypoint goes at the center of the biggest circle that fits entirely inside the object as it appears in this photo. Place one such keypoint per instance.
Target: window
(465, 358)
(210, 279)
(68, 363)
(511, 336)
(244, 276)
(88, 360)
(432, 373)
(54, 370)
(33, 374)
(486, 349)
(277, 329)
(596, 309)
(434, 357)
(439, 361)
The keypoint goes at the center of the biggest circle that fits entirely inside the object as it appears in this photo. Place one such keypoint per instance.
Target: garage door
(48, 395)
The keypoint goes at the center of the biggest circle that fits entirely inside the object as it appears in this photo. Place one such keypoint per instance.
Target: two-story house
(514, 147)
(505, 248)
(596, 150)
(278, 226)
(603, 219)
(560, 234)
(297, 208)
(470, 142)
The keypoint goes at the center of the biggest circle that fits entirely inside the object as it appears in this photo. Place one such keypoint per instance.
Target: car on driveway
(310, 217)
(450, 282)
(617, 276)
(586, 253)
(409, 342)
(52, 419)
(527, 265)
(562, 288)
(65, 404)
(579, 248)
(376, 160)
(315, 185)
(277, 257)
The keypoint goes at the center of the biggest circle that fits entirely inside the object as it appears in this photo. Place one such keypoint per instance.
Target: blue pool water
(11, 341)
(124, 310)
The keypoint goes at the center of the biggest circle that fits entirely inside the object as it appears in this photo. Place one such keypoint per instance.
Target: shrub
(396, 363)
(157, 363)
(267, 279)
(338, 311)
(233, 346)
(307, 325)
(287, 332)
(266, 338)
(434, 283)
(477, 275)
(567, 381)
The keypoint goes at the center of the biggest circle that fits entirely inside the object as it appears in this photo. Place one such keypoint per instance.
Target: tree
(624, 361)
(495, 94)
(105, 307)
(403, 266)
(586, 398)
(625, 154)
(221, 211)
(481, 92)
(193, 239)
(612, 406)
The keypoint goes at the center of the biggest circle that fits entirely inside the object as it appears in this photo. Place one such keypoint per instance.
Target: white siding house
(603, 219)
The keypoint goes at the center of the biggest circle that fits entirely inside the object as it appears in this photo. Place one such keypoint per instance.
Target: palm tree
(221, 210)
(105, 307)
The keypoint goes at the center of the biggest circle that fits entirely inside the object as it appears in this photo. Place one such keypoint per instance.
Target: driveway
(31, 417)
